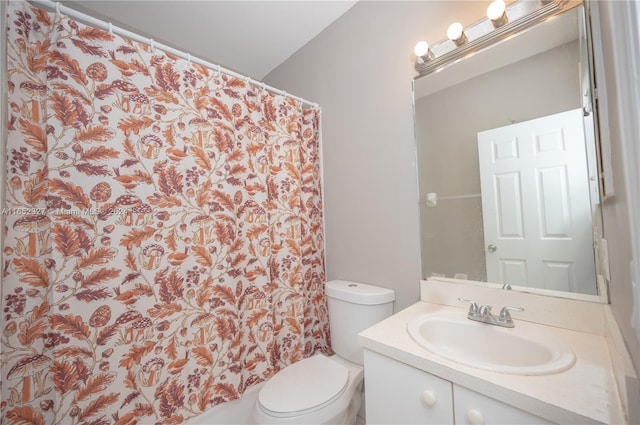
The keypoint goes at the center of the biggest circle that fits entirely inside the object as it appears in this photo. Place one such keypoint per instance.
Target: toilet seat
(303, 387)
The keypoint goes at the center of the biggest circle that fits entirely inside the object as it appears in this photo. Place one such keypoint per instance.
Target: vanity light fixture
(497, 13)
(423, 52)
(501, 22)
(456, 34)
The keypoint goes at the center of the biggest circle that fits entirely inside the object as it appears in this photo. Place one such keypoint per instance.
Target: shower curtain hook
(189, 58)
(219, 71)
(58, 8)
(110, 28)
(153, 49)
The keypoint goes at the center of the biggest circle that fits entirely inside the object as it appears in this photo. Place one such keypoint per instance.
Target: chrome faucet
(483, 314)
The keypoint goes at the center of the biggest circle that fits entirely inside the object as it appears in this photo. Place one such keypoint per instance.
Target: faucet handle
(485, 310)
(505, 316)
(473, 307)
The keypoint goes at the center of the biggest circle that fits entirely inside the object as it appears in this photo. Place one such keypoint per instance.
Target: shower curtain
(163, 246)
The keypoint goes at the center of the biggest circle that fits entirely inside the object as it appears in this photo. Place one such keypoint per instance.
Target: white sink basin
(519, 351)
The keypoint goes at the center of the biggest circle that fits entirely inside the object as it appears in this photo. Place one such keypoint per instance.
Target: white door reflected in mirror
(535, 204)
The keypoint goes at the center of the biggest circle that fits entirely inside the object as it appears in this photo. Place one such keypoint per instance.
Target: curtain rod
(108, 26)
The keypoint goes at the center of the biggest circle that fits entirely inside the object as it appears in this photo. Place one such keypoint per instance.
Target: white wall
(621, 107)
(360, 70)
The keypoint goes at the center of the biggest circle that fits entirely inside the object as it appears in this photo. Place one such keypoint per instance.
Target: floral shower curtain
(163, 239)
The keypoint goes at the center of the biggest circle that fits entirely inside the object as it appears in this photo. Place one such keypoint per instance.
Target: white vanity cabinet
(397, 393)
(472, 408)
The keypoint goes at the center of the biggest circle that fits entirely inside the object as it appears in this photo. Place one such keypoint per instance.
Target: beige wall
(616, 207)
(360, 70)
(447, 124)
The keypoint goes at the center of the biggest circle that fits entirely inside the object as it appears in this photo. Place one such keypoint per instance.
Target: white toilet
(321, 389)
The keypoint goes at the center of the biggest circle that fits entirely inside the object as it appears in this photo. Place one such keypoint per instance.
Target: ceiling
(249, 37)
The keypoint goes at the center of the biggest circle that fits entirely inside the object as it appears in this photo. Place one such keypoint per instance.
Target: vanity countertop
(585, 393)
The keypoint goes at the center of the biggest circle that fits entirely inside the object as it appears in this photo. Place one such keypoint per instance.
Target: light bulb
(496, 12)
(455, 31)
(421, 49)
(456, 34)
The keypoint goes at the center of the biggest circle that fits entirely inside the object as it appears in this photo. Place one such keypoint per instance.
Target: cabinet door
(472, 408)
(399, 394)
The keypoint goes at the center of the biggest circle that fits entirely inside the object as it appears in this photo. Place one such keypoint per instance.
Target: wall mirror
(508, 164)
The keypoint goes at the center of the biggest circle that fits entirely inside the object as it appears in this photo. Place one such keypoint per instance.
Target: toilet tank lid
(358, 293)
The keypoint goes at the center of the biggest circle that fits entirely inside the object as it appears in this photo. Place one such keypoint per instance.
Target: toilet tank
(354, 307)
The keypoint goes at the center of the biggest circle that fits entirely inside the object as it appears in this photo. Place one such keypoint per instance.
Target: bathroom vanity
(407, 383)
(421, 397)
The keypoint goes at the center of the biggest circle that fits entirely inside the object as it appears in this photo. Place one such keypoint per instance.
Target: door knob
(492, 248)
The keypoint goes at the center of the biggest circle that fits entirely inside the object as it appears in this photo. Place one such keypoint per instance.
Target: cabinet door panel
(396, 393)
(472, 408)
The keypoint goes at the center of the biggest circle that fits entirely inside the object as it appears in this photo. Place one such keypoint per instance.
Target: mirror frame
(523, 15)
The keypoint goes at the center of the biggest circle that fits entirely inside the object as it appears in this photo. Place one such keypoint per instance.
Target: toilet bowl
(322, 389)
(316, 390)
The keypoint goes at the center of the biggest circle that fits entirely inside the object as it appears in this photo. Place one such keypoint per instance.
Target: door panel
(509, 205)
(553, 192)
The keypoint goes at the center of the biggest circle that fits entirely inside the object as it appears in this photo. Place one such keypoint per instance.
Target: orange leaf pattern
(163, 241)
